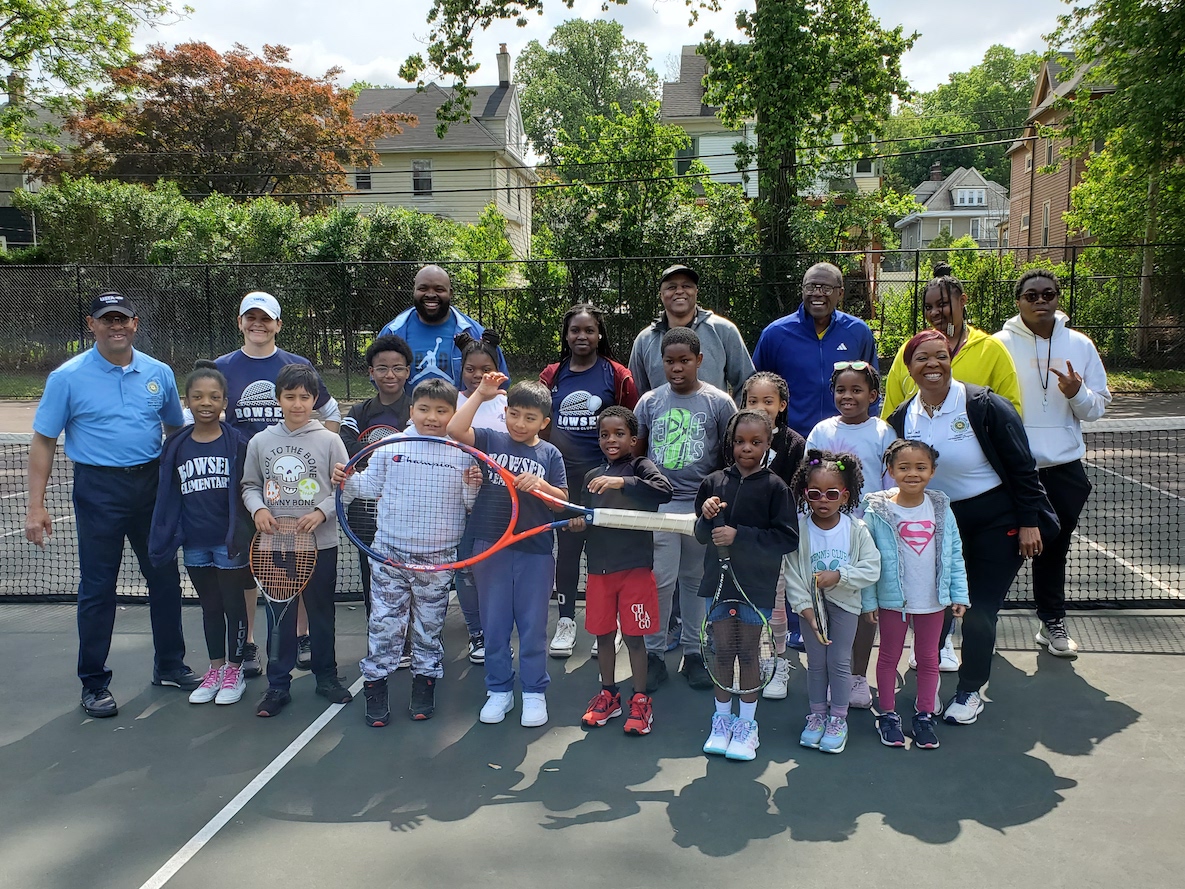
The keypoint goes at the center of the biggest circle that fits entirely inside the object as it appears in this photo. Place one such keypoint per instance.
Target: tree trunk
(1147, 307)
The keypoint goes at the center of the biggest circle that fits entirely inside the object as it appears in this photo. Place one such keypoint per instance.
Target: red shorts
(626, 596)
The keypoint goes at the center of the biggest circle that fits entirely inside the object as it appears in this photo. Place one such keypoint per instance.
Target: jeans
(318, 602)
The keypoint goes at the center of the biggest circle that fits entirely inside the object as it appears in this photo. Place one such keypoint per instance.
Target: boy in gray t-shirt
(681, 428)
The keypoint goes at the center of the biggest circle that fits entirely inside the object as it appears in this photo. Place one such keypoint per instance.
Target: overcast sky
(369, 40)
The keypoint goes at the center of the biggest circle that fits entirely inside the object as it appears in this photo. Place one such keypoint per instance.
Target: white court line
(1172, 592)
(260, 781)
(21, 531)
(26, 493)
(1134, 481)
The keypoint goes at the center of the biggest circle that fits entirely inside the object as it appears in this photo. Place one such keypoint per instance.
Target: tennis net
(1126, 552)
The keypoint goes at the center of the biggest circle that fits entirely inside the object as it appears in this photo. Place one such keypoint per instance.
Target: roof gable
(685, 96)
(484, 131)
(943, 196)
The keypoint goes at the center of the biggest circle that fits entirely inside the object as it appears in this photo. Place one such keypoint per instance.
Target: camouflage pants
(404, 600)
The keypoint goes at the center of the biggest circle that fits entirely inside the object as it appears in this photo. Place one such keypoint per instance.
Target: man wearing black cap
(112, 402)
(726, 360)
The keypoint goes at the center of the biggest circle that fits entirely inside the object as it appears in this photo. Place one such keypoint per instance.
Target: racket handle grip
(721, 551)
(633, 520)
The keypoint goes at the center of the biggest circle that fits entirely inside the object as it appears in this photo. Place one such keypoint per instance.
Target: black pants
(224, 610)
(318, 602)
(570, 545)
(1068, 489)
(991, 551)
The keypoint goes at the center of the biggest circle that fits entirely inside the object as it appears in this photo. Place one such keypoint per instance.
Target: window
(976, 229)
(1028, 163)
(362, 180)
(944, 226)
(971, 197)
(1049, 152)
(421, 177)
(1004, 239)
(1098, 145)
(864, 165)
(508, 196)
(1045, 224)
(519, 193)
(684, 156)
(1024, 222)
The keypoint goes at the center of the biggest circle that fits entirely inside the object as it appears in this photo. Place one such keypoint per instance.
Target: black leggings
(224, 610)
(570, 545)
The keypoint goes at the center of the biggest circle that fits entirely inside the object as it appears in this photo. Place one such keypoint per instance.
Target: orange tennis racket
(283, 563)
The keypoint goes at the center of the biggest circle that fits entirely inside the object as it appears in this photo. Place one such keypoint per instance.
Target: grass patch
(1146, 380)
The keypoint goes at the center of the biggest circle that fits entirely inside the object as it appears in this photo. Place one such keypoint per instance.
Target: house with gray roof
(963, 203)
(479, 162)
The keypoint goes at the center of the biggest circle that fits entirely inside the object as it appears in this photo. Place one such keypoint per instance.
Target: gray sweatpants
(678, 558)
(392, 591)
(831, 665)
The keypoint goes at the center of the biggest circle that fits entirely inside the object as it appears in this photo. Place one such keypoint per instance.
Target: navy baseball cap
(111, 301)
(680, 269)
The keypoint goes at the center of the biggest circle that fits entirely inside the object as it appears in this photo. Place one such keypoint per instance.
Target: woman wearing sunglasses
(989, 474)
(976, 357)
(1047, 352)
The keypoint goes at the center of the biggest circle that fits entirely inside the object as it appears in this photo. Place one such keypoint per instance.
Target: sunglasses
(852, 365)
(1045, 296)
(831, 494)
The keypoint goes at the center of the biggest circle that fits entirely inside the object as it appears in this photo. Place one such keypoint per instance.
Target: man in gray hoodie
(726, 360)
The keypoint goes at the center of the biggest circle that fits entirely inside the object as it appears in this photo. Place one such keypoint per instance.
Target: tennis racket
(378, 432)
(282, 562)
(735, 640)
(819, 606)
(422, 493)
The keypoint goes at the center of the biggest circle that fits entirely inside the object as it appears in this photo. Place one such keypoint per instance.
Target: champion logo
(842, 347)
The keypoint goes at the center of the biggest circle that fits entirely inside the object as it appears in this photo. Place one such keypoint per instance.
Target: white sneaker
(721, 735)
(777, 687)
(744, 741)
(534, 708)
(861, 695)
(563, 643)
(948, 661)
(964, 709)
(234, 683)
(913, 661)
(497, 705)
(208, 690)
(595, 646)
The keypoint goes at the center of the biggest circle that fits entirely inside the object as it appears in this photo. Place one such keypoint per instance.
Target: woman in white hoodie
(1046, 351)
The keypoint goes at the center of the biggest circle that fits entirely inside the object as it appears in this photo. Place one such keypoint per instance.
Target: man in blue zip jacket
(803, 347)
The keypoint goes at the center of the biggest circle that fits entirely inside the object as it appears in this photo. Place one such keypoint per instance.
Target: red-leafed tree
(235, 123)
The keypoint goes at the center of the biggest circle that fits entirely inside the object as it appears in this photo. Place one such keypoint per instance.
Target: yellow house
(478, 162)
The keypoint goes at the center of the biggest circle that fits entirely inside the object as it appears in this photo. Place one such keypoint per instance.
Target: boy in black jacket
(620, 587)
(388, 361)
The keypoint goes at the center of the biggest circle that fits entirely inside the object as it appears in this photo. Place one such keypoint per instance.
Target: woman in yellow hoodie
(976, 357)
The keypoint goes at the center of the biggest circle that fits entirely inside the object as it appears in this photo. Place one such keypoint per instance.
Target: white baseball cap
(257, 299)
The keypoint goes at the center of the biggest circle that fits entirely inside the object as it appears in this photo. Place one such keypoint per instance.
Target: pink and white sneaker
(208, 690)
(234, 683)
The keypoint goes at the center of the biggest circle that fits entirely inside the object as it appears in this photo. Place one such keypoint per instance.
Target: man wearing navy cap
(113, 403)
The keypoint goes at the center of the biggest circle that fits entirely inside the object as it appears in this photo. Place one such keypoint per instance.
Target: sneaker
(964, 708)
(98, 703)
(948, 661)
(563, 643)
(888, 726)
(423, 697)
(378, 703)
(304, 653)
(233, 685)
(404, 661)
(273, 701)
(602, 708)
(835, 738)
(697, 674)
(183, 678)
(1054, 635)
(477, 649)
(721, 734)
(497, 705)
(779, 683)
(656, 672)
(913, 661)
(924, 736)
(641, 716)
(861, 695)
(208, 690)
(333, 689)
(812, 735)
(534, 709)
(794, 640)
(744, 743)
(616, 644)
(251, 665)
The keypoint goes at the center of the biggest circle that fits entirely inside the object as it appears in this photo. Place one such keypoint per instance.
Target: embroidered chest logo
(153, 387)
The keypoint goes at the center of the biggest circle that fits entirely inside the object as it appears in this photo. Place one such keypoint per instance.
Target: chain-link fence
(332, 311)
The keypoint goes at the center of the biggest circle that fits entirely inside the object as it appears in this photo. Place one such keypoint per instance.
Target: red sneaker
(602, 708)
(641, 715)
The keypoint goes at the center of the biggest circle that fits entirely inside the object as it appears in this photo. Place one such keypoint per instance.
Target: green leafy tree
(587, 68)
(857, 221)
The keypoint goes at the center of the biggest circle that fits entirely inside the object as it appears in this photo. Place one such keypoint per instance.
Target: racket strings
(284, 560)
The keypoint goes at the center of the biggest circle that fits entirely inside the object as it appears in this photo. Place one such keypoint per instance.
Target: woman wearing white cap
(252, 407)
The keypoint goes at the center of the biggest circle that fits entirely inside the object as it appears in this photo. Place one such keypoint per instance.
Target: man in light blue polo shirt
(112, 402)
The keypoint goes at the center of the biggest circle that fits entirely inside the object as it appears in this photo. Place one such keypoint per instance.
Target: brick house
(1040, 199)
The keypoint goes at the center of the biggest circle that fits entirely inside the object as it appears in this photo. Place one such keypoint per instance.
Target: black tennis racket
(283, 563)
(378, 432)
(735, 638)
(819, 607)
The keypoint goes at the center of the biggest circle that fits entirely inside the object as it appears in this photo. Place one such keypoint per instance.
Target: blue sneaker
(924, 735)
(835, 738)
(816, 725)
(794, 640)
(889, 728)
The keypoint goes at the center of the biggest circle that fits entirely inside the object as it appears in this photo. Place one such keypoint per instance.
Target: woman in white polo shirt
(987, 470)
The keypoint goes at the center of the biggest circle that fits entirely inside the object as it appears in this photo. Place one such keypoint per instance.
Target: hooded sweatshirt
(1052, 421)
(290, 474)
(726, 360)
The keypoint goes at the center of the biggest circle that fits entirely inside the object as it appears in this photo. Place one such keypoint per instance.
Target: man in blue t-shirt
(429, 327)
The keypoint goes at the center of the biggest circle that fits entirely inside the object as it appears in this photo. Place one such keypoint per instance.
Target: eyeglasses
(381, 370)
(114, 319)
(832, 494)
(819, 288)
(1045, 296)
(852, 365)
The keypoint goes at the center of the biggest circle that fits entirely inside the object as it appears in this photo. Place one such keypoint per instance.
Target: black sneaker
(656, 672)
(333, 689)
(184, 678)
(251, 665)
(273, 701)
(97, 702)
(697, 674)
(423, 697)
(304, 653)
(888, 726)
(924, 735)
(477, 649)
(378, 703)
